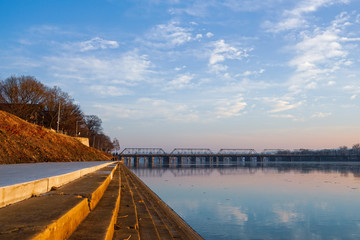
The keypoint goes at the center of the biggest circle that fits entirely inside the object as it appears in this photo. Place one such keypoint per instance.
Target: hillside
(23, 142)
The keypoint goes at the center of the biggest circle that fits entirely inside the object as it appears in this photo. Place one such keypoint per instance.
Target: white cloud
(318, 55)
(283, 116)
(209, 34)
(106, 90)
(296, 18)
(317, 49)
(198, 36)
(353, 89)
(97, 43)
(204, 8)
(280, 105)
(130, 68)
(221, 52)
(245, 85)
(170, 35)
(250, 73)
(217, 68)
(146, 108)
(114, 111)
(230, 107)
(346, 39)
(179, 68)
(180, 82)
(321, 115)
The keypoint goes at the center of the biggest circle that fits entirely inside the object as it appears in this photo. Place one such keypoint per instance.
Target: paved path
(18, 173)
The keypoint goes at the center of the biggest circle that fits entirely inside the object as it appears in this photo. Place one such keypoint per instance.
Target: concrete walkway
(111, 203)
(11, 174)
(35, 179)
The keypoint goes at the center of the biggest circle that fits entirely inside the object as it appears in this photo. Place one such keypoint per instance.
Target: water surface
(263, 201)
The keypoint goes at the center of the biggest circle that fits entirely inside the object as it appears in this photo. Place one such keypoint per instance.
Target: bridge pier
(166, 161)
(136, 161)
(179, 160)
(193, 160)
(149, 161)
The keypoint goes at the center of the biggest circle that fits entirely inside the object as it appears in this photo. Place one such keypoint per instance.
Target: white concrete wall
(83, 140)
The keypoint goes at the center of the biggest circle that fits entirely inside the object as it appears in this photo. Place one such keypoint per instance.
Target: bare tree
(29, 99)
(22, 96)
(104, 143)
(116, 145)
(93, 124)
(356, 147)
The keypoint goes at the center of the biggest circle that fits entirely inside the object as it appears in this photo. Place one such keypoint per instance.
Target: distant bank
(23, 142)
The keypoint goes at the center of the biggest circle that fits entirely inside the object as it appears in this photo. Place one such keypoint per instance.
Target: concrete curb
(18, 192)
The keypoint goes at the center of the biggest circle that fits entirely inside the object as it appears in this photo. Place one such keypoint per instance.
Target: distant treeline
(29, 99)
(343, 150)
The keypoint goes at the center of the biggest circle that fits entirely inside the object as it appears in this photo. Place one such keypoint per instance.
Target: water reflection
(256, 200)
(157, 168)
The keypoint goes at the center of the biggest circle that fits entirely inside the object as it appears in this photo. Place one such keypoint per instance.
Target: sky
(262, 74)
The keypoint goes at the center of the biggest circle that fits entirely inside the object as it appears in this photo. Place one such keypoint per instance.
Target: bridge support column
(149, 161)
(208, 160)
(136, 161)
(193, 160)
(166, 161)
(179, 160)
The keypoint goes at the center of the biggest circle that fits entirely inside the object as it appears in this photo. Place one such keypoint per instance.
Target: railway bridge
(181, 156)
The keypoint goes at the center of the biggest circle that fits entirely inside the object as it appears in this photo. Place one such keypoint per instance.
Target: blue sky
(201, 73)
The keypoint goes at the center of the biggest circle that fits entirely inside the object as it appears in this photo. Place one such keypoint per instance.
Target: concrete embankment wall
(83, 140)
(17, 192)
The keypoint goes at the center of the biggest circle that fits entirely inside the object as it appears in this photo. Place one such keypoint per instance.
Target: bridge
(190, 156)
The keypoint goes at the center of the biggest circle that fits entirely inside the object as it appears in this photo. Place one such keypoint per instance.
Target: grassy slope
(23, 142)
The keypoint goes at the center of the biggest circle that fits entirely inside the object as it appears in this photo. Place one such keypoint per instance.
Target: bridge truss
(239, 151)
(143, 151)
(191, 151)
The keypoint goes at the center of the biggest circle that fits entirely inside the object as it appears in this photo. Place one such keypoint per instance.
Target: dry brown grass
(23, 142)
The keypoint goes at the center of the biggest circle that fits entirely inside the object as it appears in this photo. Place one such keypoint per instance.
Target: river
(255, 200)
